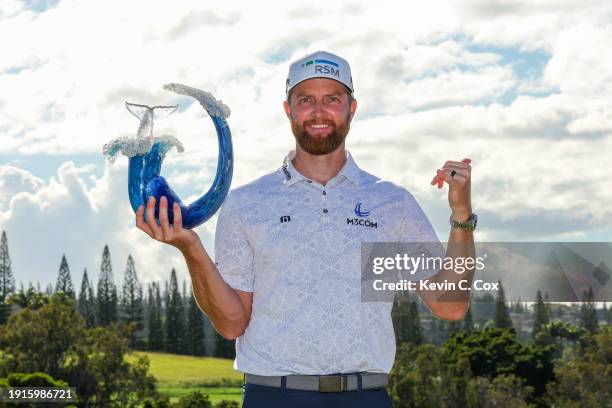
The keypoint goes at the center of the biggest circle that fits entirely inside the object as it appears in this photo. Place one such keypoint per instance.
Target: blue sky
(522, 88)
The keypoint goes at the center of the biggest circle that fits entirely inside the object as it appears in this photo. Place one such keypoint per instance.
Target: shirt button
(325, 210)
(324, 193)
(309, 181)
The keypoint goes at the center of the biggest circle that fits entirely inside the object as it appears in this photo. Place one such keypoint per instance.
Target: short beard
(320, 145)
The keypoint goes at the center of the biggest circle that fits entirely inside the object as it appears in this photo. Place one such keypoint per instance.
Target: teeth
(319, 126)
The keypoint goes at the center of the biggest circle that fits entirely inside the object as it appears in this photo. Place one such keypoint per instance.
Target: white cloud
(13, 181)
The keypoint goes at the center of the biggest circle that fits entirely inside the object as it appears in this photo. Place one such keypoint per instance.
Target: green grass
(214, 394)
(178, 375)
(173, 368)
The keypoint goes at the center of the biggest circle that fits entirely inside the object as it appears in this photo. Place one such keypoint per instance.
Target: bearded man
(286, 281)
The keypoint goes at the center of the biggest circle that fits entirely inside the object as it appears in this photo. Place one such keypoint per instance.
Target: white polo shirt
(296, 245)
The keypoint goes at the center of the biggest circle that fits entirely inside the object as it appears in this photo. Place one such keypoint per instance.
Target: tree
(7, 281)
(399, 316)
(452, 327)
(503, 391)
(588, 313)
(585, 380)
(547, 304)
(415, 330)
(484, 308)
(195, 329)
(502, 315)
(37, 339)
(107, 292)
(415, 378)
(174, 316)
(86, 303)
(468, 321)
(194, 399)
(224, 348)
(64, 282)
(132, 309)
(607, 313)
(54, 340)
(495, 351)
(540, 315)
(560, 334)
(156, 332)
(455, 379)
(30, 299)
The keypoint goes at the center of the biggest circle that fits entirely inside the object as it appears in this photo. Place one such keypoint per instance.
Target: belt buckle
(333, 383)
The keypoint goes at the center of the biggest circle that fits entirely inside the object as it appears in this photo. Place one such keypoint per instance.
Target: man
(286, 282)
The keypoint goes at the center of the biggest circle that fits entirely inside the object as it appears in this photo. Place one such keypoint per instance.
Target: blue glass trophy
(147, 152)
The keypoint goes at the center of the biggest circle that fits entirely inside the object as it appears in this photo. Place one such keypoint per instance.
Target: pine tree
(399, 316)
(195, 329)
(435, 330)
(86, 303)
(452, 327)
(224, 348)
(547, 304)
(132, 309)
(64, 282)
(185, 304)
(156, 332)
(174, 316)
(502, 315)
(588, 313)
(468, 321)
(107, 292)
(607, 313)
(540, 315)
(415, 330)
(7, 281)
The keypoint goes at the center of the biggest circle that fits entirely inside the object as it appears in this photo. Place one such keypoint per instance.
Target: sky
(523, 88)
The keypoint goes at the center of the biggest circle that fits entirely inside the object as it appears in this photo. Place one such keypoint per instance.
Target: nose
(318, 110)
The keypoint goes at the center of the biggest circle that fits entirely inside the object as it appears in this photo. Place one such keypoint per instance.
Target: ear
(353, 108)
(287, 109)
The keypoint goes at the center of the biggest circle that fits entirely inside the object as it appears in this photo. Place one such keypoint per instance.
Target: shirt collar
(350, 170)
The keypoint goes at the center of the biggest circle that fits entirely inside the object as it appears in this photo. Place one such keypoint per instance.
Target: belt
(322, 383)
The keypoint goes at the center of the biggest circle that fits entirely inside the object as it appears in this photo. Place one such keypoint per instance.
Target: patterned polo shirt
(295, 244)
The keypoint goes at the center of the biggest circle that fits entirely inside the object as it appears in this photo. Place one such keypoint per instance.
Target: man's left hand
(458, 187)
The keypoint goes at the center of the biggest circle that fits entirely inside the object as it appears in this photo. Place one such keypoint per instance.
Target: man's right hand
(183, 239)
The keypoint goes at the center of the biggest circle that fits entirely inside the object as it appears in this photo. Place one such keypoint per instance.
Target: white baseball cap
(320, 64)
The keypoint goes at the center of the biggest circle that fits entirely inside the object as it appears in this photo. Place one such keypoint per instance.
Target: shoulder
(376, 185)
(255, 190)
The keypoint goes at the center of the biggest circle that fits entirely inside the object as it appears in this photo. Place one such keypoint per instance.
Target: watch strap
(469, 225)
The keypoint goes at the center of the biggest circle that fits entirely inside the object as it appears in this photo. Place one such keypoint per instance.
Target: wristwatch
(469, 225)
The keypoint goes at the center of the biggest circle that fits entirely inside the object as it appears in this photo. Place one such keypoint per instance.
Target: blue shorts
(261, 396)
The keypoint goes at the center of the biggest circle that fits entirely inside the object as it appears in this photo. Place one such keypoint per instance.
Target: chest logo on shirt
(285, 218)
(360, 213)
(359, 221)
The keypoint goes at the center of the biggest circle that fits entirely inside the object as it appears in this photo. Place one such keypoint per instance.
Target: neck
(321, 168)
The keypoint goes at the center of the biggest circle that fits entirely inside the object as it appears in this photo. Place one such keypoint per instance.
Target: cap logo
(320, 61)
(322, 66)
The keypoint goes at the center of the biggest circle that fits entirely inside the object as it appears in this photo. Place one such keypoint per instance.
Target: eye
(304, 100)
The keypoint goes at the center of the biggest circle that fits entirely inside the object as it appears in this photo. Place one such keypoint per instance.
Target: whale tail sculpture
(146, 154)
(147, 114)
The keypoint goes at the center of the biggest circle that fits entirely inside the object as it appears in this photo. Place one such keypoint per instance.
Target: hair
(348, 92)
